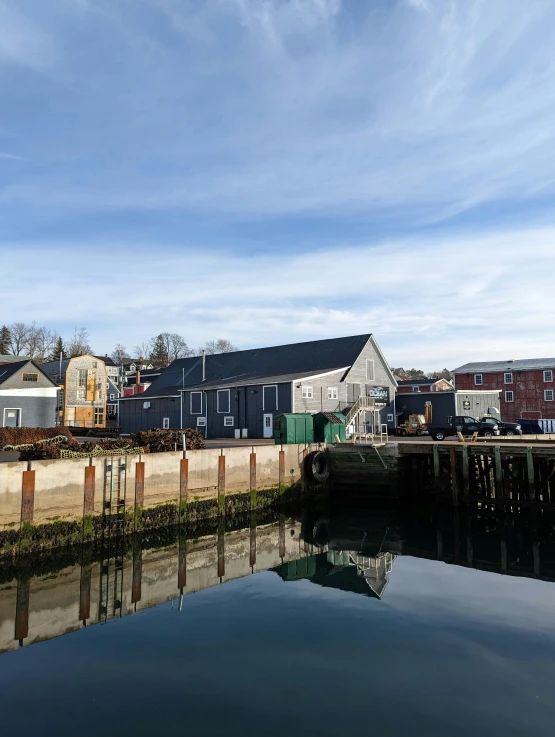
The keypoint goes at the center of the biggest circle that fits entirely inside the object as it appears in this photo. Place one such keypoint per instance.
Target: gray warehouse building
(230, 395)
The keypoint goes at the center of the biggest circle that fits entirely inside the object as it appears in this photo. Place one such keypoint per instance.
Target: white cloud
(21, 42)
(431, 303)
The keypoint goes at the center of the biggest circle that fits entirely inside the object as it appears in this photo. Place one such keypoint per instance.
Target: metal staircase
(368, 432)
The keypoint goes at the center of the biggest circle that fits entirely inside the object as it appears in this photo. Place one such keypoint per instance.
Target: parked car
(537, 427)
(505, 428)
(467, 426)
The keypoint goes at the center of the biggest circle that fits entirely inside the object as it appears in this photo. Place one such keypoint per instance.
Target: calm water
(345, 633)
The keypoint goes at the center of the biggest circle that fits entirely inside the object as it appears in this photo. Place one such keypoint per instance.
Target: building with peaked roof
(83, 382)
(407, 386)
(28, 397)
(239, 394)
(527, 386)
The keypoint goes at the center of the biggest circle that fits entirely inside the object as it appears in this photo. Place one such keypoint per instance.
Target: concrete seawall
(67, 491)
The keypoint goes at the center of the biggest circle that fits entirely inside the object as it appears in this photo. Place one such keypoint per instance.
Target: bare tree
(143, 350)
(78, 344)
(218, 346)
(19, 338)
(119, 353)
(166, 347)
(40, 342)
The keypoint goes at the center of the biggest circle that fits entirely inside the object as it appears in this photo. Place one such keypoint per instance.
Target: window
(307, 392)
(269, 398)
(82, 377)
(390, 418)
(548, 375)
(509, 396)
(415, 388)
(165, 423)
(61, 399)
(223, 401)
(229, 421)
(99, 394)
(29, 377)
(112, 397)
(508, 378)
(98, 415)
(94, 364)
(548, 395)
(369, 369)
(81, 393)
(201, 421)
(332, 392)
(195, 403)
(478, 379)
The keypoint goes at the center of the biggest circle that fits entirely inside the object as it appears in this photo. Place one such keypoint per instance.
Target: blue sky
(280, 170)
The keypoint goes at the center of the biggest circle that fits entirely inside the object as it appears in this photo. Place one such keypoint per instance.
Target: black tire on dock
(317, 466)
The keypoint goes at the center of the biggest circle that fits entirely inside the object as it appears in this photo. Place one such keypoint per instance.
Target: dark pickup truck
(467, 426)
(505, 428)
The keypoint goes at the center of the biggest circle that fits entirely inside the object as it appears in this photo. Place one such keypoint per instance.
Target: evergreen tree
(159, 353)
(5, 340)
(58, 351)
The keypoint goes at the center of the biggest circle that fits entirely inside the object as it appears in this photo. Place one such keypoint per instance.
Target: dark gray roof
(525, 364)
(55, 370)
(9, 369)
(255, 379)
(419, 382)
(259, 365)
(8, 358)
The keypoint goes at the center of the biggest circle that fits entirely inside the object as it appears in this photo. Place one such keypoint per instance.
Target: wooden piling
(183, 479)
(221, 549)
(22, 609)
(530, 474)
(88, 502)
(27, 496)
(136, 584)
(454, 480)
(281, 471)
(85, 593)
(465, 470)
(221, 484)
(498, 473)
(252, 479)
(139, 483)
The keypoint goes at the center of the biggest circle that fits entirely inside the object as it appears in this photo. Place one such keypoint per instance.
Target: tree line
(418, 374)
(43, 344)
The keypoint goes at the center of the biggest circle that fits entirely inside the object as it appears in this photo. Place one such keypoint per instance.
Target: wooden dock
(503, 473)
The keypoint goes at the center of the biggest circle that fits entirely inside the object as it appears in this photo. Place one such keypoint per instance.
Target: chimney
(204, 365)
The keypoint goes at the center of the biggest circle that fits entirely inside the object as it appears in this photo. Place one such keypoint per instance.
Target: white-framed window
(112, 397)
(165, 423)
(390, 418)
(229, 421)
(270, 397)
(201, 421)
(223, 401)
(478, 379)
(307, 392)
(508, 378)
(548, 375)
(332, 392)
(509, 396)
(81, 393)
(548, 395)
(370, 369)
(195, 403)
(81, 377)
(415, 388)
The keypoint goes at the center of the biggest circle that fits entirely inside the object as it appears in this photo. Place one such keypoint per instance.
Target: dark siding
(443, 405)
(133, 418)
(246, 408)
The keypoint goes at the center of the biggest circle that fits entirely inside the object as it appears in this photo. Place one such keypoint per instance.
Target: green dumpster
(327, 425)
(293, 428)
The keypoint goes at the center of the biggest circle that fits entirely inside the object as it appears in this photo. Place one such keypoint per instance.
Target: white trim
(545, 392)
(139, 396)
(13, 409)
(165, 423)
(311, 396)
(191, 402)
(550, 372)
(373, 377)
(229, 424)
(511, 392)
(270, 386)
(293, 397)
(333, 389)
(505, 374)
(46, 392)
(479, 383)
(201, 421)
(223, 411)
(326, 373)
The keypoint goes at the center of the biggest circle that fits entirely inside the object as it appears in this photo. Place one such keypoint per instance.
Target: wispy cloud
(21, 41)
(430, 302)
(13, 157)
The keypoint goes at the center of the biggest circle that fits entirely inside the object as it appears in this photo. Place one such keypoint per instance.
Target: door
(268, 424)
(353, 393)
(11, 417)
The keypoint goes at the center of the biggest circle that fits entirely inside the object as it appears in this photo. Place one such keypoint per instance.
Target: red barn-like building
(527, 386)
